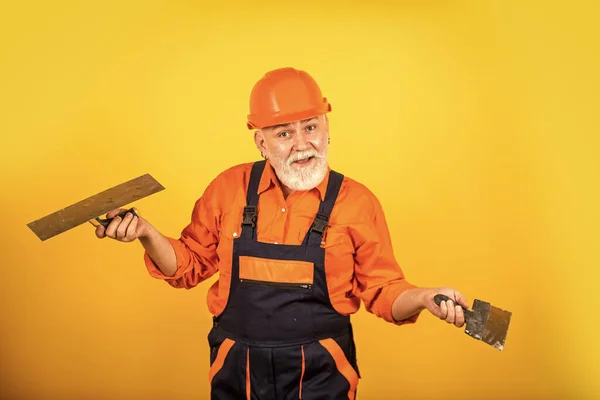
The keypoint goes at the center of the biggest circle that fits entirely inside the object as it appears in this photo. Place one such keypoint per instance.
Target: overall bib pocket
(284, 274)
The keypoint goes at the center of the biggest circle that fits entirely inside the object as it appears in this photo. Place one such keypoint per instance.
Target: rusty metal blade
(496, 327)
(488, 323)
(476, 319)
(94, 206)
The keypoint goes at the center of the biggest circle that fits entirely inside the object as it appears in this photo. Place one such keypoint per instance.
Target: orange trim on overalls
(220, 359)
(248, 392)
(342, 364)
(302, 374)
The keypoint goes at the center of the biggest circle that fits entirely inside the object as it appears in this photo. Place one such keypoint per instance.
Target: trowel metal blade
(488, 324)
(496, 327)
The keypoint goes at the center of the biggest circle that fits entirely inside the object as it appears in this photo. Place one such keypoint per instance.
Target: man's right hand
(125, 229)
(131, 227)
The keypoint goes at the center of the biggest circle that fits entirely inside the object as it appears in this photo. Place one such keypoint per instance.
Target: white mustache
(302, 156)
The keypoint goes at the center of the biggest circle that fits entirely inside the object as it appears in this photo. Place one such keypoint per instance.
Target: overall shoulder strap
(315, 233)
(250, 210)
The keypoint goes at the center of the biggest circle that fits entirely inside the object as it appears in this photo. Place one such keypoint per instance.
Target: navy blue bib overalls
(279, 336)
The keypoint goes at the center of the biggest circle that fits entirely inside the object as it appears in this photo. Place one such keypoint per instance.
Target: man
(297, 247)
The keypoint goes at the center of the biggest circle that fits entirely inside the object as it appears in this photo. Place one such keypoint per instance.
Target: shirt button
(283, 210)
(234, 234)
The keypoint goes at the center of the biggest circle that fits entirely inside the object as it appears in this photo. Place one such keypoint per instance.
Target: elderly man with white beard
(297, 246)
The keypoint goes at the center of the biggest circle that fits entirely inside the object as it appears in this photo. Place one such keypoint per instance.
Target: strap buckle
(249, 216)
(320, 223)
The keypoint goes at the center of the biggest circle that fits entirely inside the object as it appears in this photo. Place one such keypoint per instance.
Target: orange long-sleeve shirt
(359, 259)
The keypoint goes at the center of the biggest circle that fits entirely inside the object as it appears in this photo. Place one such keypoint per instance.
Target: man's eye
(284, 134)
(311, 127)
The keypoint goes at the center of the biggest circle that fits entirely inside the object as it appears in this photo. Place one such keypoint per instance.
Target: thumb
(460, 299)
(100, 232)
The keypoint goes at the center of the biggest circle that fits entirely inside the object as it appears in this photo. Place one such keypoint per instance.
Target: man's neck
(286, 190)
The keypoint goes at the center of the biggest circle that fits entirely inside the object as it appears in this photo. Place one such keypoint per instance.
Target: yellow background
(474, 122)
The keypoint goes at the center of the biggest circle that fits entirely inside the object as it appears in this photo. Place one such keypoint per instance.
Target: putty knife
(91, 208)
(484, 322)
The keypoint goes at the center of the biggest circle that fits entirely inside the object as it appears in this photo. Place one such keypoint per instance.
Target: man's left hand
(450, 310)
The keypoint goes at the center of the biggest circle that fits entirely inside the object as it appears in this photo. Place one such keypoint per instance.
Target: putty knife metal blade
(94, 206)
(484, 322)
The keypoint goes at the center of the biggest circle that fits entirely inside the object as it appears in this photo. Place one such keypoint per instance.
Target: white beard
(301, 178)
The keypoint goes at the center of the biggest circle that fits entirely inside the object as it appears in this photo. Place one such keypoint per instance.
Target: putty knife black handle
(438, 298)
(105, 222)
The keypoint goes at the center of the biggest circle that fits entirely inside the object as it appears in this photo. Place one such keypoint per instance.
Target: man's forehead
(303, 121)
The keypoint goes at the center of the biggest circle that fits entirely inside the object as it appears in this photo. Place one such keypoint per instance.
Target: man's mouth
(304, 161)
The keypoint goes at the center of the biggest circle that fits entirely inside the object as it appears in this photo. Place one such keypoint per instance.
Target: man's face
(297, 151)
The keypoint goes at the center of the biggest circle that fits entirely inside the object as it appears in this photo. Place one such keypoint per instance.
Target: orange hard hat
(285, 95)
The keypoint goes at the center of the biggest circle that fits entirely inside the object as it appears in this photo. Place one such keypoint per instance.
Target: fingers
(460, 299)
(451, 310)
(120, 228)
(450, 313)
(131, 232)
(447, 311)
(443, 310)
(459, 319)
(123, 228)
(111, 229)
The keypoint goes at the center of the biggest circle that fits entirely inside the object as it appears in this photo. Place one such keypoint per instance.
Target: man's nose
(300, 140)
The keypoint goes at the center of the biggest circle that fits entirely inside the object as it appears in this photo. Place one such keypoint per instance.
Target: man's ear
(259, 139)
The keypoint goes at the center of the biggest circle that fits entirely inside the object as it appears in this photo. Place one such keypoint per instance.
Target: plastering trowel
(90, 209)
(484, 322)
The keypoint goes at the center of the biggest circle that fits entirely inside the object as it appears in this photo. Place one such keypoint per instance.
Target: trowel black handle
(106, 221)
(438, 298)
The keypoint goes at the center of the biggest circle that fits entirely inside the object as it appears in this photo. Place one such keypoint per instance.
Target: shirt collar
(269, 178)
